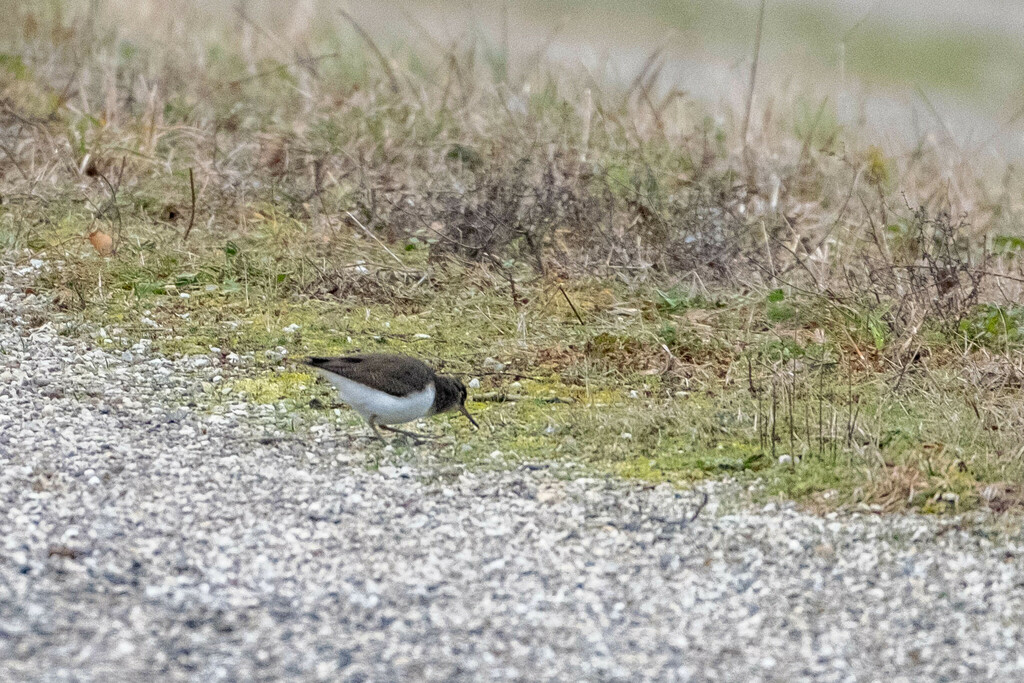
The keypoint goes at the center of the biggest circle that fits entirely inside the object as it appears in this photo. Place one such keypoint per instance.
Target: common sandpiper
(389, 389)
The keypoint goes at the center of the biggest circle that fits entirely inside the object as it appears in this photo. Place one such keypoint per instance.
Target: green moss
(733, 459)
(637, 373)
(811, 477)
(274, 387)
(601, 395)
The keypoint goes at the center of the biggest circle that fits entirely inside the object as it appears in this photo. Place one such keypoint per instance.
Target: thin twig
(806, 148)
(392, 78)
(938, 118)
(641, 76)
(14, 160)
(504, 40)
(774, 415)
(117, 209)
(985, 273)
(502, 397)
(700, 507)
(768, 251)
(278, 68)
(685, 521)
(750, 378)
(569, 301)
(753, 77)
(374, 237)
(192, 213)
(513, 375)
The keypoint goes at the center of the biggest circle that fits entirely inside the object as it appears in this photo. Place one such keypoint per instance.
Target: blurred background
(894, 71)
(287, 164)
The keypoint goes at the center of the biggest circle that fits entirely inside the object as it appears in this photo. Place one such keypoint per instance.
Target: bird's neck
(446, 394)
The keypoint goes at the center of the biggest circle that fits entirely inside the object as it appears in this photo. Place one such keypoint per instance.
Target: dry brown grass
(851, 305)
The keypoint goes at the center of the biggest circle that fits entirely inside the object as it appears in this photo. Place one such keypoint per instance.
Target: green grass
(657, 316)
(604, 394)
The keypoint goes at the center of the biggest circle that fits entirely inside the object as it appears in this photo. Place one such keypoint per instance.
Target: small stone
(493, 365)
(231, 536)
(276, 354)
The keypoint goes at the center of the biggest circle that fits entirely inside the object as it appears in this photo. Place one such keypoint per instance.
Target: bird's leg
(418, 438)
(373, 425)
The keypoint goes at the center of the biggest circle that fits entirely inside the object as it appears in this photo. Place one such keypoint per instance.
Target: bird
(388, 389)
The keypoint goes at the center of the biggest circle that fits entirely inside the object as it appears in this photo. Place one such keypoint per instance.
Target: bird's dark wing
(392, 374)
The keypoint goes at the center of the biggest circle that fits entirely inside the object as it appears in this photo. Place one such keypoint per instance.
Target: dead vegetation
(790, 293)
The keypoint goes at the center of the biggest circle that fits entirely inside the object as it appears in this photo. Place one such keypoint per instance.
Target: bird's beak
(468, 416)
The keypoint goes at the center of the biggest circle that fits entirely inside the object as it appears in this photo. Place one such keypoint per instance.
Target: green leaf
(669, 300)
(877, 331)
(997, 322)
(619, 177)
(230, 248)
(776, 295)
(126, 50)
(467, 155)
(751, 461)
(14, 65)
(1007, 244)
(149, 288)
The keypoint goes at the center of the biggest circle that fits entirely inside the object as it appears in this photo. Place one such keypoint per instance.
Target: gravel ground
(140, 537)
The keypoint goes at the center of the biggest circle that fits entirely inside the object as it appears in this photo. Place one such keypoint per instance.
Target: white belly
(388, 409)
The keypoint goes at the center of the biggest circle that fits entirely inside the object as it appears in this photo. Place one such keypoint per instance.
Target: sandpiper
(388, 389)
